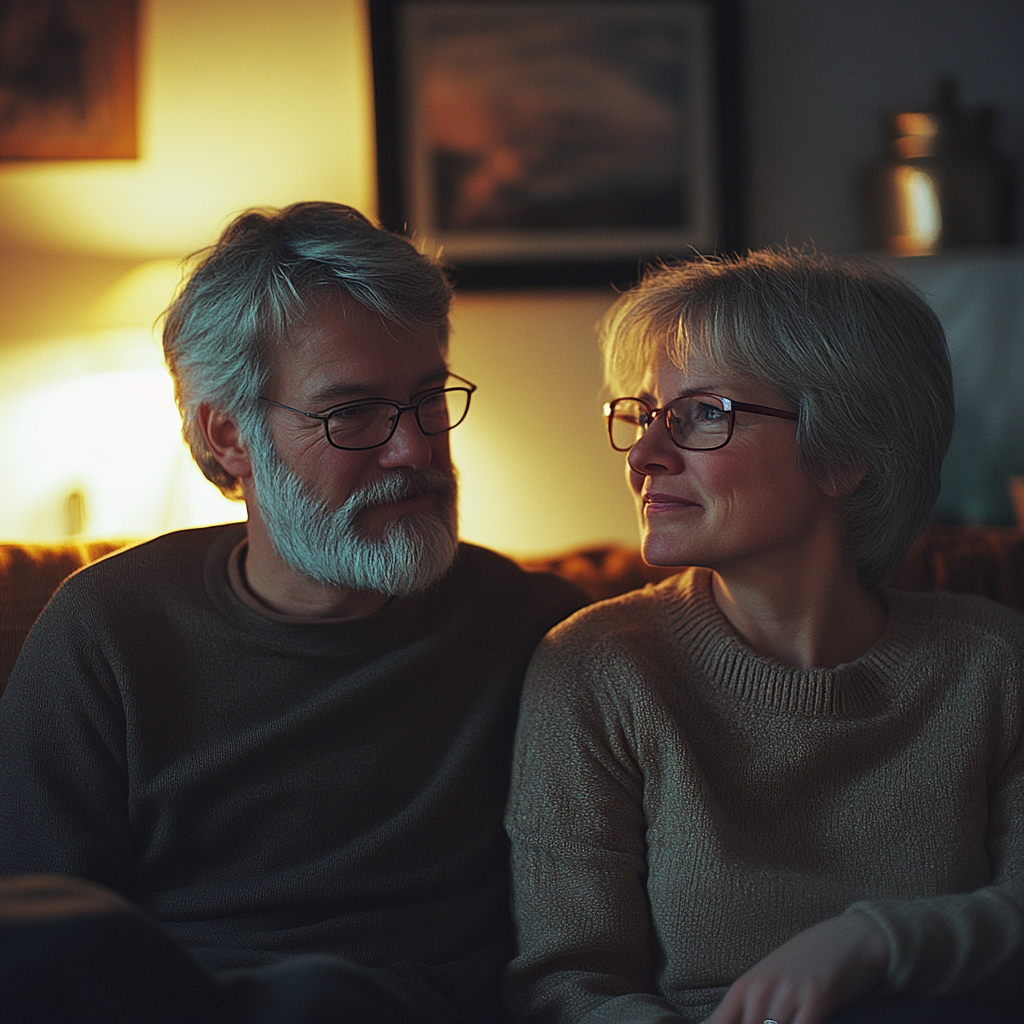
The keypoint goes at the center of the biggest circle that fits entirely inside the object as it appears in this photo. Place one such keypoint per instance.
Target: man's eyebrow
(335, 394)
(432, 379)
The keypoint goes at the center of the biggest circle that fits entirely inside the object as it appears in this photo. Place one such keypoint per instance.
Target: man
(288, 738)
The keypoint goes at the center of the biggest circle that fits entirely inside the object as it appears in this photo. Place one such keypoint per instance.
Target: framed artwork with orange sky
(68, 80)
(558, 143)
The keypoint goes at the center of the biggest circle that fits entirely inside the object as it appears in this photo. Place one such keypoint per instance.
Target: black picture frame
(632, 155)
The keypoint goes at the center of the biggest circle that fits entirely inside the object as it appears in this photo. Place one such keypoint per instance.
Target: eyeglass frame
(729, 406)
(413, 407)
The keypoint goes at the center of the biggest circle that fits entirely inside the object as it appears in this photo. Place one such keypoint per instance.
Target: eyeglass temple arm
(763, 410)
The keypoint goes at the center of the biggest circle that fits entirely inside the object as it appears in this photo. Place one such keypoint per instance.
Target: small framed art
(68, 80)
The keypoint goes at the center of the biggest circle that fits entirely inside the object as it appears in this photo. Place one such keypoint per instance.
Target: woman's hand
(817, 973)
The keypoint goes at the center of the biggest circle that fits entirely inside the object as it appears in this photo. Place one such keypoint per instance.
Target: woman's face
(747, 506)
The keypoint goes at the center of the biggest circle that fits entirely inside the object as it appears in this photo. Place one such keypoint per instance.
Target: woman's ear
(224, 440)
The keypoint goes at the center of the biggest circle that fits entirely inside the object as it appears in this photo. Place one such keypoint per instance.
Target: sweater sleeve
(576, 822)
(966, 942)
(63, 777)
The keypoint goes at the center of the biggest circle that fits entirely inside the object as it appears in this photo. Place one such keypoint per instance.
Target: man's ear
(224, 440)
(842, 482)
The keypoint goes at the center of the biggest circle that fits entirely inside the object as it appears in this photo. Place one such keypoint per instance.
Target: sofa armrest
(29, 574)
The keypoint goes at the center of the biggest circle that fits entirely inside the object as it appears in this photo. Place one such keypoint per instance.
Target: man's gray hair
(262, 277)
(857, 351)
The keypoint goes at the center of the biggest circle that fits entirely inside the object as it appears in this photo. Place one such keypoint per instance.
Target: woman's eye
(709, 413)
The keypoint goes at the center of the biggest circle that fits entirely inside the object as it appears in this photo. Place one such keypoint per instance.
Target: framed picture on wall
(558, 143)
(68, 80)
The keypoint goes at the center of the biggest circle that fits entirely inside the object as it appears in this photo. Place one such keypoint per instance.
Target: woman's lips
(655, 504)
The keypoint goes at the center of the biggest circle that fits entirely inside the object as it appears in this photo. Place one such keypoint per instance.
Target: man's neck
(284, 590)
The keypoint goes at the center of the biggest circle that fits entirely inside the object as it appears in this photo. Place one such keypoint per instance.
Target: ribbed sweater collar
(852, 690)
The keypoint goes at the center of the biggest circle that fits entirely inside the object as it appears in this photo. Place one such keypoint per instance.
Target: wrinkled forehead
(326, 308)
(339, 349)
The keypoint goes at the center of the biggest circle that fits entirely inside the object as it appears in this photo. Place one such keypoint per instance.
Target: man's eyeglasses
(697, 423)
(372, 422)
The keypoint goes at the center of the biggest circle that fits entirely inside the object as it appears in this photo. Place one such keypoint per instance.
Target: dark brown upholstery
(986, 560)
(29, 574)
(965, 559)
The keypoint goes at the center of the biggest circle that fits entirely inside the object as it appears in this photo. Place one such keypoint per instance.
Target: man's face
(380, 519)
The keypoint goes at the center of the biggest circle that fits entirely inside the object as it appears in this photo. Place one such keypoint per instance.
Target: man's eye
(349, 417)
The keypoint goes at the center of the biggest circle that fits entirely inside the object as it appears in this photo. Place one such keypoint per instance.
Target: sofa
(966, 559)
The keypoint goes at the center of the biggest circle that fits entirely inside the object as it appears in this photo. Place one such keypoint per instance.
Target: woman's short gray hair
(857, 351)
(260, 279)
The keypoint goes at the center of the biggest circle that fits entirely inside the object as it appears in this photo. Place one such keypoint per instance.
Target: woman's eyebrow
(684, 393)
(707, 390)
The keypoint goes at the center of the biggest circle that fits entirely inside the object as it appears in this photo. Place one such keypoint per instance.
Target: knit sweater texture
(265, 789)
(681, 806)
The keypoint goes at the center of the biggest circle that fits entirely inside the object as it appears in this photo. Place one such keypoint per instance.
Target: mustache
(400, 486)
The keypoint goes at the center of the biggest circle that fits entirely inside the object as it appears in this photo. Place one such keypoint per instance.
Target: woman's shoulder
(956, 615)
(623, 644)
(955, 636)
(638, 612)
(606, 666)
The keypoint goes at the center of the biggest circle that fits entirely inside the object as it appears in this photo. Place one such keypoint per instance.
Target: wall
(822, 73)
(240, 105)
(267, 102)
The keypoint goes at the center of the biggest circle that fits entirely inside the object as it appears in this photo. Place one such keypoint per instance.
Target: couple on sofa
(258, 772)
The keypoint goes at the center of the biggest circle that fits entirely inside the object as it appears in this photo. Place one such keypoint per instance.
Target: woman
(768, 789)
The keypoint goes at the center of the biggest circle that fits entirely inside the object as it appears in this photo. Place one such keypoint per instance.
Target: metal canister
(943, 184)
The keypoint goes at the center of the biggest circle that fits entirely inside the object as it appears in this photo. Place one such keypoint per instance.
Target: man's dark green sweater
(265, 789)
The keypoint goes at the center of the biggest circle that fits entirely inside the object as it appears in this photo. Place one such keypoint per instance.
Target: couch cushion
(985, 560)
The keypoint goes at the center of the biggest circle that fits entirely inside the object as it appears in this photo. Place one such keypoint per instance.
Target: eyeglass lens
(698, 422)
(371, 423)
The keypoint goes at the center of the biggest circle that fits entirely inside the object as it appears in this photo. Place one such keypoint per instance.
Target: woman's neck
(812, 616)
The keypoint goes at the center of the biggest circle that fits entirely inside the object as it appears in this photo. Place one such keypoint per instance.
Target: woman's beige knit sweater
(681, 806)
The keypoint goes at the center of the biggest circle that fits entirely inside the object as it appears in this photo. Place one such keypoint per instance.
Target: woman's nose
(654, 452)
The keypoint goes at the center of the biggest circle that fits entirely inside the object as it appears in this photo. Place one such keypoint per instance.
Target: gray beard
(326, 544)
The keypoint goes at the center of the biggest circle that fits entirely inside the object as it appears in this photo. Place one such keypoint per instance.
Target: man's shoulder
(156, 564)
(497, 586)
(486, 571)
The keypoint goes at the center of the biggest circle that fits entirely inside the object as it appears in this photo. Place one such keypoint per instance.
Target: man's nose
(409, 447)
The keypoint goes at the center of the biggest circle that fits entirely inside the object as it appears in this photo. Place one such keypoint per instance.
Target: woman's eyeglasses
(696, 423)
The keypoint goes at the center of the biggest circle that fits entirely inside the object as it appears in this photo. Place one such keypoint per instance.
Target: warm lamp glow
(102, 455)
(138, 298)
(92, 437)
(918, 212)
